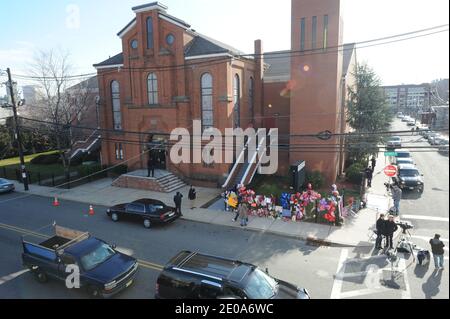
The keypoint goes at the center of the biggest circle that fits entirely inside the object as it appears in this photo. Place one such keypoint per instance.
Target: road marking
(143, 263)
(7, 278)
(406, 294)
(337, 284)
(438, 219)
(361, 292)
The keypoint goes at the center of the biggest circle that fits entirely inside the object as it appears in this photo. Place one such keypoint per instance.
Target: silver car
(394, 142)
(6, 186)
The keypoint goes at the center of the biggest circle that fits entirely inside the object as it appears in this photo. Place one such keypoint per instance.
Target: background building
(409, 99)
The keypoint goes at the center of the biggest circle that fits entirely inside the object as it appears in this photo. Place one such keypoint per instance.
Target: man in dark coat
(177, 200)
(390, 229)
(437, 248)
(374, 163)
(369, 176)
(150, 165)
(192, 196)
(381, 225)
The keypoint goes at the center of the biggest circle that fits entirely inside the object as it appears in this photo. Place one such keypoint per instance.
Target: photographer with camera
(390, 229)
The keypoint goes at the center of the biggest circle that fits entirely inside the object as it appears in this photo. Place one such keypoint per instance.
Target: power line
(291, 53)
(361, 134)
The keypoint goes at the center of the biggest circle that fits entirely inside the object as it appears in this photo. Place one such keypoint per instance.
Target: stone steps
(170, 183)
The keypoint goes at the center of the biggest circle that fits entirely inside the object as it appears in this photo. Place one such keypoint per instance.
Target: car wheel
(94, 292)
(114, 217)
(41, 276)
(147, 223)
(421, 190)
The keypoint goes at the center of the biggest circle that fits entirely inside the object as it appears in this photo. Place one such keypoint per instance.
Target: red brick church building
(168, 75)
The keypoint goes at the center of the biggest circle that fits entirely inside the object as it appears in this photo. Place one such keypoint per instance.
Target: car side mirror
(267, 270)
(113, 246)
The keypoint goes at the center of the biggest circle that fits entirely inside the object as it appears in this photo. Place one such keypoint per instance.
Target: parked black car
(146, 211)
(409, 178)
(6, 186)
(191, 275)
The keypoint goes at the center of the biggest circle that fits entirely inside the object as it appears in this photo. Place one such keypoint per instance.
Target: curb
(308, 239)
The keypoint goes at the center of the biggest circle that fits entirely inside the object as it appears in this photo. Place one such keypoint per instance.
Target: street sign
(388, 154)
(390, 171)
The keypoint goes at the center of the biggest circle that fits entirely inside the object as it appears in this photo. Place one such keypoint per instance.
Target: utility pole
(17, 131)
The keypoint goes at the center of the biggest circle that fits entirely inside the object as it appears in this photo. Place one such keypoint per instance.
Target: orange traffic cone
(56, 202)
(91, 211)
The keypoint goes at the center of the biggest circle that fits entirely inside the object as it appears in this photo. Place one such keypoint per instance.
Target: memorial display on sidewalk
(306, 206)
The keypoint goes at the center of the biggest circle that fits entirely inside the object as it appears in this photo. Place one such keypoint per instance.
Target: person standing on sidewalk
(437, 248)
(390, 229)
(150, 165)
(397, 196)
(381, 230)
(374, 163)
(369, 176)
(243, 214)
(192, 196)
(177, 200)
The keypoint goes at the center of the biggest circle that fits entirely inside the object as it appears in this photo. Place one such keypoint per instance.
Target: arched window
(237, 101)
(115, 101)
(152, 89)
(251, 98)
(149, 33)
(207, 101)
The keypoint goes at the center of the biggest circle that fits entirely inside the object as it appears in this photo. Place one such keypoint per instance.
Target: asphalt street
(327, 272)
(291, 260)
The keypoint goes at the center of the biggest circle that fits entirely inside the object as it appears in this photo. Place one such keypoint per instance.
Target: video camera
(405, 226)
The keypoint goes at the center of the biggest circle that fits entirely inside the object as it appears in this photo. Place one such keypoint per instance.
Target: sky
(88, 30)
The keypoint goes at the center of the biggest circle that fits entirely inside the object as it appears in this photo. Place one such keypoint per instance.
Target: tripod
(404, 240)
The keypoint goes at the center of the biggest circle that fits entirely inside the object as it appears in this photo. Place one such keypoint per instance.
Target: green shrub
(315, 178)
(119, 170)
(354, 173)
(46, 159)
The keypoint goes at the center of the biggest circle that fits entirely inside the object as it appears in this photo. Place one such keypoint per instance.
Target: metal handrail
(236, 164)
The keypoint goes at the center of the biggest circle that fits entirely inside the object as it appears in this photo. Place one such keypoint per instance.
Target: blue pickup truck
(103, 271)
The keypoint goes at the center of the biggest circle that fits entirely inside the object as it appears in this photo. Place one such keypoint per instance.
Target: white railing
(255, 160)
(238, 161)
(82, 150)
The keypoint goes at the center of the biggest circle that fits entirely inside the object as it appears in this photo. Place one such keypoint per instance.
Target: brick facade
(305, 97)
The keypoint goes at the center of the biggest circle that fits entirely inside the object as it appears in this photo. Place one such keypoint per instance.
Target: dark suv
(191, 275)
(409, 178)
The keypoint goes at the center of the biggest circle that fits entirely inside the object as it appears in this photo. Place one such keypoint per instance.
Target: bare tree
(60, 101)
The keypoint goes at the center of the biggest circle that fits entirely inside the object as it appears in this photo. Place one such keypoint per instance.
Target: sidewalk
(356, 232)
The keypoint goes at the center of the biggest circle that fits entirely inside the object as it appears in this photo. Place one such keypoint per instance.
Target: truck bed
(55, 242)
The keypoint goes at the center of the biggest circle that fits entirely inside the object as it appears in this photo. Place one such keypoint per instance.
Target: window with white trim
(115, 101)
(152, 89)
(207, 101)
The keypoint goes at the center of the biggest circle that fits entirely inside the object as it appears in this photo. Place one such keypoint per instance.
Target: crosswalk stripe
(5, 279)
(432, 218)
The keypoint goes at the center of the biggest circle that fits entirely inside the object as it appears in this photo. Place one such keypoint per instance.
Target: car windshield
(260, 285)
(3, 181)
(395, 139)
(96, 257)
(409, 172)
